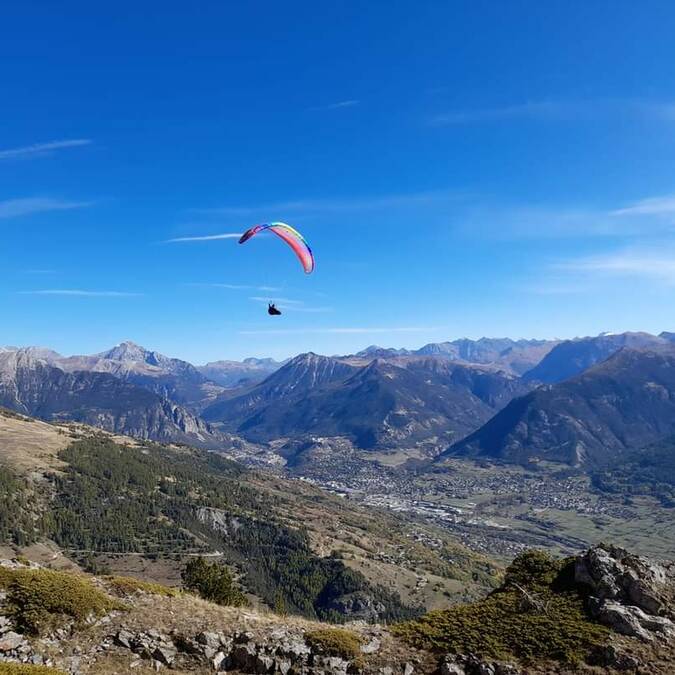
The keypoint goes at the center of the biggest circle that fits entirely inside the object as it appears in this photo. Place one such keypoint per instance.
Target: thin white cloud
(337, 205)
(648, 264)
(237, 287)
(654, 206)
(207, 237)
(12, 208)
(350, 103)
(82, 293)
(339, 331)
(645, 217)
(529, 110)
(37, 149)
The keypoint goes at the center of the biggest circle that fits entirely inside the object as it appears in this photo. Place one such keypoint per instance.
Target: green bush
(536, 614)
(212, 582)
(336, 642)
(40, 599)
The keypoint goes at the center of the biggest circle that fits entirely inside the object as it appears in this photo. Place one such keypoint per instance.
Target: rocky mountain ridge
(381, 403)
(32, 385)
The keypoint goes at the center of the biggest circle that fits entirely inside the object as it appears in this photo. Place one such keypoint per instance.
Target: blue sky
(459, 168)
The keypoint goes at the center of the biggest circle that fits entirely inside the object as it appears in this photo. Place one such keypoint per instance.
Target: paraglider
(294, 239)
(291, 236)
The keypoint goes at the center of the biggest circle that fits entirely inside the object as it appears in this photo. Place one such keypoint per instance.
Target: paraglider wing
(291, 236)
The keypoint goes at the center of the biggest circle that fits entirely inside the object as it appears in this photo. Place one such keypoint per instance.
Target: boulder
(11, 641)
(614, 574)
(373, 645)
(631, 620)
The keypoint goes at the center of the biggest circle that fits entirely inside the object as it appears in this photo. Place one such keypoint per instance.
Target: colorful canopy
(291, 236)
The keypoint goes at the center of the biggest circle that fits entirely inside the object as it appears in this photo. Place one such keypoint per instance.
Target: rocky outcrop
(629, 593)
(283, 650)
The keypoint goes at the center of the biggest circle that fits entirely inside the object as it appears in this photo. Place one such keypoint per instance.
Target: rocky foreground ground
(138, 628)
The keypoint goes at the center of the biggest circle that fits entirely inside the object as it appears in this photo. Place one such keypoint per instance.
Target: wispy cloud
(646, 217)
(77, 292)
(529, 110)
(337, 205)
(38, 149)
(236, 287)
(339, 331)
(649, 264)
(12, 208)
(350, 103)
(654, 206)
(206, 237)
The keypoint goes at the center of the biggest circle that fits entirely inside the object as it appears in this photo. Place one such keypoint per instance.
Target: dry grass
(21, 669)
(127, 586)
(28, 446)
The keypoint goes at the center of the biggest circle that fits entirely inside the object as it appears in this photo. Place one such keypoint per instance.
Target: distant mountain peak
(128, 351)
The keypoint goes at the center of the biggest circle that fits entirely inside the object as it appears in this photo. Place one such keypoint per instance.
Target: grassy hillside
(143, 510)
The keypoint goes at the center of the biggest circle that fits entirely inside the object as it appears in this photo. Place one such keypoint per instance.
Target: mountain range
(575, 401)
(30, 384)
(622, 403)
(381, 404)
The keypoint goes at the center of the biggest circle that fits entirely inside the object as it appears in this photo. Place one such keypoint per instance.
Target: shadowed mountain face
(33, 386)
(626, 402)
(381, 404)
(573, 357)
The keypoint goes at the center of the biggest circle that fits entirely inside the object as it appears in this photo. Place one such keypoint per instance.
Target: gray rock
(264, 664)
(124, 638)
(451, 666)
(506, 669)
(283, 666)
(629, 620)
(209, 639)
(11, 641)
(615, 574)
(165, 653)
(408, 669)
(330, 664)
(371, 646)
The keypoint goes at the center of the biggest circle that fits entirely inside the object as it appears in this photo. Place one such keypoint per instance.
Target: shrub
(125, 586)
(336, 642)
(212, 582)
(39, 599)
(537, 613)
